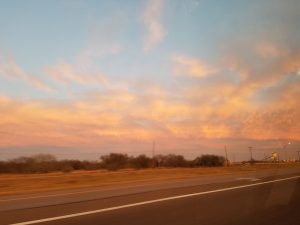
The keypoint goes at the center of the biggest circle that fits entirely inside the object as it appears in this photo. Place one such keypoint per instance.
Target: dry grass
(12, 184)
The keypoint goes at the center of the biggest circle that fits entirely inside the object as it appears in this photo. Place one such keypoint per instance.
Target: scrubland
(13, 184)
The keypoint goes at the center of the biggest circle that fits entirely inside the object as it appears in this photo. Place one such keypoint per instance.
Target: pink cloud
(65, 73)
(189, 66)
(152, 19)
(10, 70)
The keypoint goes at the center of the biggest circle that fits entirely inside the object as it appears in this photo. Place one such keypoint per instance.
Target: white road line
(150, 202)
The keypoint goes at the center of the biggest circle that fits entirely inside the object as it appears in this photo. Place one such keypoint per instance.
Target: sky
(79, 79)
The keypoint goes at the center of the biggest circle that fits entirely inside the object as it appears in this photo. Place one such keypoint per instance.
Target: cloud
(248, 92)
(66, 73)
(268, 50)
(10, 70)
(188, 66)
(85, 70)
(92, 53)
(115, 116)
(262, 73)
(152, 19)
(191, 119)
(256, 84)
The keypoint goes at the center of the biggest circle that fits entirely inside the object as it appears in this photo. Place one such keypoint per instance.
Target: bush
(67, 168)
(170, 160)
(44, 163)
(141, 161)
(114, 161)
(209, 160)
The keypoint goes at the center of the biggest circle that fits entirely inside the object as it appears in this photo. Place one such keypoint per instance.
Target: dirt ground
(13, 184)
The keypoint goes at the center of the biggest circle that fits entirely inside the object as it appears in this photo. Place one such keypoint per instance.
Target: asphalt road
(271, 197)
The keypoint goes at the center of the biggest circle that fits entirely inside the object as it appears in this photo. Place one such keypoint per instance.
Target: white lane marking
(248, 178)
(150, 202)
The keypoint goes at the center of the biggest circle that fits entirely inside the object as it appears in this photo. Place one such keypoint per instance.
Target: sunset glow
(112, 76)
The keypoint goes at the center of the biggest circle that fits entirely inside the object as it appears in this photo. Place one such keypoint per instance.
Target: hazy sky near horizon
(92, 77)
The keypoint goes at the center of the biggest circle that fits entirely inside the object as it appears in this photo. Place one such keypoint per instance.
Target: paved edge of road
(152, 201)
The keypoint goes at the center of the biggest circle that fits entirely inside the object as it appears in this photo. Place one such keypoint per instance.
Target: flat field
(14, 184)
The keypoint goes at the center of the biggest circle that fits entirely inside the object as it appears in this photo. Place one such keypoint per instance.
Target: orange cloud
(121, 115)
(192, 67)
(214, 108)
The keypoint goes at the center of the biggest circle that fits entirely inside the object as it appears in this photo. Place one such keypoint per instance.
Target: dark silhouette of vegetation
(141, 162)
(44, 163)
(209, 160)
(171, 160)
(114, 161)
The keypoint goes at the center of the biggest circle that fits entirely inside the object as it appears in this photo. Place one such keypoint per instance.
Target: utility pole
(250, 150)
(285, 151)
(285, 154)
(298, 155)
(226, 157)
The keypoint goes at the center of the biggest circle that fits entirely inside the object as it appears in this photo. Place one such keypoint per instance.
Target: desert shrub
(209, 160)
(141, 161)
(90, 165)
(114, 161)
(170, 160)
(44, 163)
(41, 163)
(175, 161)
(158, 160)
(76, 164)
(67, 168)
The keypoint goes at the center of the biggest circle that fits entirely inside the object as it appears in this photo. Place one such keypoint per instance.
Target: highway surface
(267, 197)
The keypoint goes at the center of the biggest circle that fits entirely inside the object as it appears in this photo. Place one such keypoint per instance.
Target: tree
(209, 160)
(114, 161)
(170, 160)
(141, 161)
